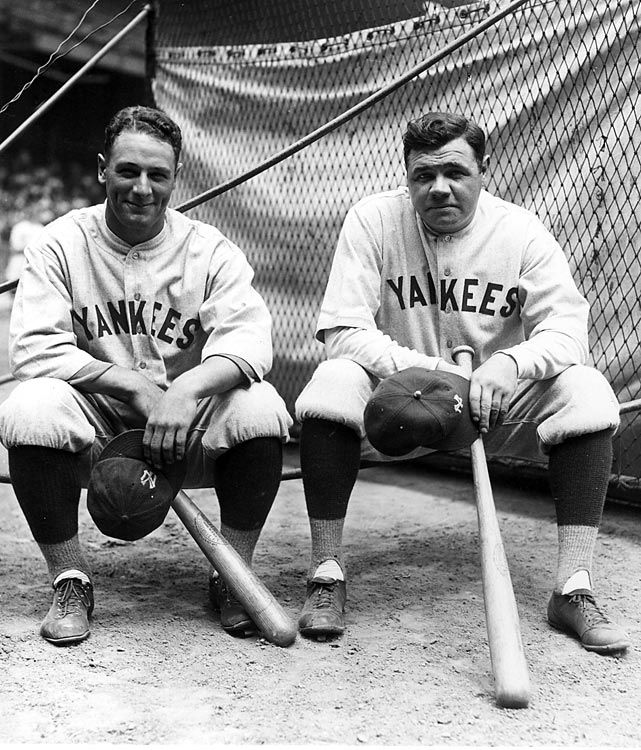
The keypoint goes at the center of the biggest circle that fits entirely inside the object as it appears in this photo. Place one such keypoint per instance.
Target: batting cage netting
(554, 84)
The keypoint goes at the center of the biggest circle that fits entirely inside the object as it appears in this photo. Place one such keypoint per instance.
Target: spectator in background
(33, 195)
(23, 232)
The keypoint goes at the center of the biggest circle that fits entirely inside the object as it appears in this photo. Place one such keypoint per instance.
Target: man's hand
(491, 389)
(165, 438)
(165, 435)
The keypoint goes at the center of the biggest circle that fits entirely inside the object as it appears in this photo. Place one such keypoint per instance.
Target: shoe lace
(227, 595)
(324, 595)
(72, 597)
(590, 609)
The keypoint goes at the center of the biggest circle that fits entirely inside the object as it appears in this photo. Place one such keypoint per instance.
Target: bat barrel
(265, 611)
(509, 666)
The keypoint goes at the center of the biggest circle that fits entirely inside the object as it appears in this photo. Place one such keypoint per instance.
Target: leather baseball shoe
(322, 613)
(233, 617)
(577, 613)
(68, 618)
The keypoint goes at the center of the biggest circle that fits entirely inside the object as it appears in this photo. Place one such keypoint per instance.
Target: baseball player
(131, 315)
(423, 269)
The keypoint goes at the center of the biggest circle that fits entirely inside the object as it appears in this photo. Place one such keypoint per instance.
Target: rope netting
(554, 84)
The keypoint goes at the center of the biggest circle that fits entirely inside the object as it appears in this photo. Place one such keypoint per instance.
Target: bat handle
(463, 357)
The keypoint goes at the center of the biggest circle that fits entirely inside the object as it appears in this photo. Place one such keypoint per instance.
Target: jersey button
(142, 365)
(134, 256)
(447, 271)
(447, 238)
(448, 343)
(137, 296)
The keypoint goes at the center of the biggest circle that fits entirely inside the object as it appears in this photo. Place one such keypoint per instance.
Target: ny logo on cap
(149, 478)
(458, 403)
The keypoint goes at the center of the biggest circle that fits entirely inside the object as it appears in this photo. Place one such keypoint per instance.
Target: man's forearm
(375, 351)
(116, 381)
(216, 374)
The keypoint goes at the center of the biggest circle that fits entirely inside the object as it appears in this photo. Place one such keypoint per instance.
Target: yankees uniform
(417, 272)
(88, 301)
(399, 296)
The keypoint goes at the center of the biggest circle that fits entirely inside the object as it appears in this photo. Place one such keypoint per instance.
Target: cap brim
(129, 445)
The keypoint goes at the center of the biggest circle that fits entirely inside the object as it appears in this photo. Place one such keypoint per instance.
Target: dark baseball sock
(330, 458)
(47, 485)
(46, 482)
(330, 455)
(247, 478)
(579, 471)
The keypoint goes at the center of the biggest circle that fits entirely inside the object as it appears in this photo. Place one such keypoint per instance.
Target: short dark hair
(435, 129)
(148, 120)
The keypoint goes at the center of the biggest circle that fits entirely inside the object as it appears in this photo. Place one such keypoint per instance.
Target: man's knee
(585, 403)
(44, 411)
(246, 413)
(338, 391)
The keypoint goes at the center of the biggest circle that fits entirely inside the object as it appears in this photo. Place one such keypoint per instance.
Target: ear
(485, 163)
(179, 168)
(102, 166)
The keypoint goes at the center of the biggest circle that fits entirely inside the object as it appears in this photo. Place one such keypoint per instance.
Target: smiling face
(139, 176)
(444, 185)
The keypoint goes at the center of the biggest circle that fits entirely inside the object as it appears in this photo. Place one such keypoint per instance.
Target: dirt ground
(412, 669)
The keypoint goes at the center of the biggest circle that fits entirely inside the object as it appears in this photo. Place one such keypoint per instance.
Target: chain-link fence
(554, 84)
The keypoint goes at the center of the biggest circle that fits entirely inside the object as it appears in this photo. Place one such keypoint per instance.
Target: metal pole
(353, 111)
(89, 64)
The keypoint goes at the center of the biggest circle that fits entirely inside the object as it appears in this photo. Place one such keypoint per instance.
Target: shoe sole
(609, 648)
(242, 630)
(321, 635)
(68, 641)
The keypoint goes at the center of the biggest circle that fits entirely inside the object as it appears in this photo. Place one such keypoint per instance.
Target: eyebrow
(135, 165)
(446, 165)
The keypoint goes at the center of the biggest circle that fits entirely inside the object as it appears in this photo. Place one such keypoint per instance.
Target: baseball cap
(420, 408)
(126, 496)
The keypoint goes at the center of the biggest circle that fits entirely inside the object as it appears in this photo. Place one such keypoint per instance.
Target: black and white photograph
(320, 418)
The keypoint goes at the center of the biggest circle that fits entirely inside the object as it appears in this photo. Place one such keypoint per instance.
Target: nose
(143, 185)
(440, 186)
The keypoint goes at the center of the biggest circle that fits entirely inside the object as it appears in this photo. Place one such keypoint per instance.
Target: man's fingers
(474, 399)
(495, 410)
(486, 410)
(164, 446)
(169, 446)
(505, 407)
(181, 443)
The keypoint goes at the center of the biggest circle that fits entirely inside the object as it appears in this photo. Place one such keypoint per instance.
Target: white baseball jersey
(500, 284)
(87, 300)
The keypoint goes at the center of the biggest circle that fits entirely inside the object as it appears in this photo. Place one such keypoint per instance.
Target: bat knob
(463, 349)
(463, 356)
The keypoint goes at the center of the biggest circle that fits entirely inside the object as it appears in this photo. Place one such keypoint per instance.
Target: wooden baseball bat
(509, 667)
(265, 611)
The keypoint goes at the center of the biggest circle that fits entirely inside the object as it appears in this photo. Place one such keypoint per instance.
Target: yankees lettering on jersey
(114, 318)
(163, 306)
(504, 277)
(465, 295)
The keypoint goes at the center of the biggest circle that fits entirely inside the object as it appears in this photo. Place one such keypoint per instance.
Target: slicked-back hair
(434, 129)
(149, 120)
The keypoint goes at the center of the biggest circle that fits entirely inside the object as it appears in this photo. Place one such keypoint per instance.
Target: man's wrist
(513, 359)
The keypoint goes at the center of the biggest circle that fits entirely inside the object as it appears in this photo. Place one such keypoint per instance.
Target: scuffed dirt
(413, 667)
